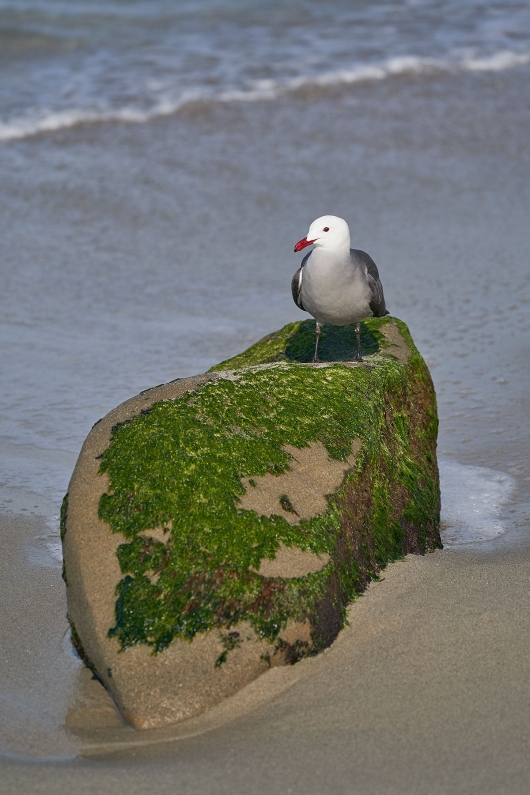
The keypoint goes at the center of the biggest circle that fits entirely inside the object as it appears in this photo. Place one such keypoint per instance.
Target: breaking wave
(49, 120)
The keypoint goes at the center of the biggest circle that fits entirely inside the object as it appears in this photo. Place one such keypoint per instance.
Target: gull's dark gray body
(339, 290)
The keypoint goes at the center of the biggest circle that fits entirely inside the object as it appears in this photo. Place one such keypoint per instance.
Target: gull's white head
(328, 232)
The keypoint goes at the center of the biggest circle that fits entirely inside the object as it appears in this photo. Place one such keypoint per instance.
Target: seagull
(335, 283)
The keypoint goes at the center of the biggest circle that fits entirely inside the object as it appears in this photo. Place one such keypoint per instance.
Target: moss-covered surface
(295, 342)
(179, 466)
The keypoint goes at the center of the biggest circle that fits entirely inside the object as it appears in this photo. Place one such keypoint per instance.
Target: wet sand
(427, 690)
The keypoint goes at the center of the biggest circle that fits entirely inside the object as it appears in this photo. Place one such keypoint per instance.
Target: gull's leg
(359, 357)
(315, 357)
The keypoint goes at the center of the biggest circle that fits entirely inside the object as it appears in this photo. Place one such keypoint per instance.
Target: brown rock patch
(299, 493)
(292, 562)
(396, 344)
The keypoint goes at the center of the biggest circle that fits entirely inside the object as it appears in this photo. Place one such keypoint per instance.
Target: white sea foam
(472, 503)
(49, 120)
(497, 62)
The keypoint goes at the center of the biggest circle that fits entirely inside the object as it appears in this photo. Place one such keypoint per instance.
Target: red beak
(303, 243)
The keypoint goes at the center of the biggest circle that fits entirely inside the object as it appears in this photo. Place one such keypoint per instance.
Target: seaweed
(180, 466)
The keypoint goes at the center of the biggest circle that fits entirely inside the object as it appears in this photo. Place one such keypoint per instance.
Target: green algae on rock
(202, 489)
(295, 342)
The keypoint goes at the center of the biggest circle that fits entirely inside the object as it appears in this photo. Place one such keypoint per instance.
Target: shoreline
(435, 659)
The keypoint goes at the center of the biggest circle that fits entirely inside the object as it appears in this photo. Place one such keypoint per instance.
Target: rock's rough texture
(221, 524)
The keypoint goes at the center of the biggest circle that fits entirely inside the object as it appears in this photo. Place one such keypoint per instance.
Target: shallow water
(473, 502)
(135, 253)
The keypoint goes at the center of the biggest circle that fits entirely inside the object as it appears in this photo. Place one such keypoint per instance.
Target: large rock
(218, 525)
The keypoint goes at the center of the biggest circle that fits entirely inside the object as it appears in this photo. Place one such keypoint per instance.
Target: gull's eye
(326, 229)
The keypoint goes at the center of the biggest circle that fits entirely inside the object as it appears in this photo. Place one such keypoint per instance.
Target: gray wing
(296, 283)
(377, 301)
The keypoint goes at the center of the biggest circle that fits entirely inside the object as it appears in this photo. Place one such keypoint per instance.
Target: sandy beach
(426, 691)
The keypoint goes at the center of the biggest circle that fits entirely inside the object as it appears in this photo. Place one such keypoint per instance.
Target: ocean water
(101, 60)
(159, 159)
